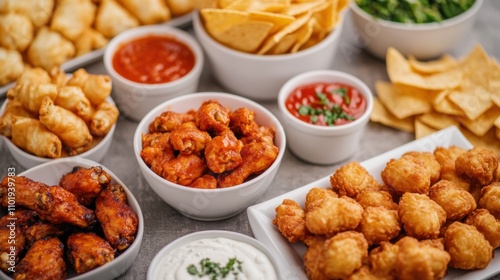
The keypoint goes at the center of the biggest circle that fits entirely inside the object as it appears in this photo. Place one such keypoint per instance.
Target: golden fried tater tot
(446, 158)
(407, 174)
(379, 224)
(430, 162)
(486, 224)
(422, 218)
(456, 202)
(383, 259)
(290, 220)
(351, 179)
(315, 197)
(315, 247)
(375, 198)
(478, 165)
(490, 199)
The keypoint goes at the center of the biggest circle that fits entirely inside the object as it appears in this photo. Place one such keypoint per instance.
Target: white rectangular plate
(290, 256)
(92, 56)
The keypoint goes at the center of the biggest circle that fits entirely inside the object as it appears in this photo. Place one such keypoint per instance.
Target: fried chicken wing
(157, 151)
(58, 206)
(44, 260)
(420, 261)
(169, 120)
(446, 158)
(241, 121)
(256, 156)
(212, 117)
(260, 132)
(315, 197)
(85, 183)
(490, 199)
(204, 182)
(343, 254)
(467, 247)
(118, 221)
(456, 202)
(12, 239)
(379, 224)
(351, 179)
(369, 197)
(478, 165)
(407, 174)
(24, 189)
(188, 139)
(334, 215)
(430, 162)
(486, 224)
(87, 251)
(42, 230)
(290, 220)
(422, 218)
(223, 153)
(184, 169)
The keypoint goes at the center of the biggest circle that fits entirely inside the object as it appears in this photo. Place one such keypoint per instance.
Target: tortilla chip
(481, 125)
(224, 3)
(268, 5)
(495, 92)
(303, 35)
(400, 71)
(245, 37)
(422, 130)
(300, 8)
(381, 115)
(443, 105)
(284, 45)
(401, 103)
(444, 63)
(473, 103)
(278, 20)
(219, 20)
(326, 14)
(475, 67)
(489, 140)
(437, 120)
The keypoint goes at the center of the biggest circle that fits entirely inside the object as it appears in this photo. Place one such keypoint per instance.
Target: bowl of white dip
(228, 254)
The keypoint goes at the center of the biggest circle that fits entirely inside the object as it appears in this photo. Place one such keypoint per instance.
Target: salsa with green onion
(415, 11)
(326, 104)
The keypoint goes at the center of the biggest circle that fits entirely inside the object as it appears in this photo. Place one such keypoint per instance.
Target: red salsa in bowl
(326, 104)
(153, 59)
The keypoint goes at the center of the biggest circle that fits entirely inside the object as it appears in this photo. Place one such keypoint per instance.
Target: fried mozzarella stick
(96, 87)
(32, 136)
(71, 129)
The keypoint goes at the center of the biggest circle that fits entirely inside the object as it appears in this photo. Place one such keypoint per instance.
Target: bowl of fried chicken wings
(209, 155)
(67, 219)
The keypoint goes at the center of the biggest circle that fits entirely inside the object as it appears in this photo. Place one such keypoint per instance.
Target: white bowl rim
(355, 82)
(38, 159)
(418, 26)
(208, 95)
(140, 217)
(335, 33)
(142, 31)
(197, 235)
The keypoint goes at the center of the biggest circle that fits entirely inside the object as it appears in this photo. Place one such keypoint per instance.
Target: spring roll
(57, 77)
(89, 40)
(105, 117)
(13, 108)
(112, 19)
(38, 11)
(31, 95)
(96, 87)
(73, 99)
(32, 136)
(70, 128)
(17, 31)
(34, 75)
(148, 11)
(72, 17)
(12, 65)
(49, 49)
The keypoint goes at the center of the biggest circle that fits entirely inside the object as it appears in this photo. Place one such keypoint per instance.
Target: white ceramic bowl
(155, 268)
(259, 77)
(50, 173)
(134, 99)
(323, 144)
(424, 41)
(210, 204)
(28, 160)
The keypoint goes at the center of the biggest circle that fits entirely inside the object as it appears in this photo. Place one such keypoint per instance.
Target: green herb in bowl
(415, 11)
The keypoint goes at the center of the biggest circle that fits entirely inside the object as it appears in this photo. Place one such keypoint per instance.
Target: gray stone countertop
(163, 224)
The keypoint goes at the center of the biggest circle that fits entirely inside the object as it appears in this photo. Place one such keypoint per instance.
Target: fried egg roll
(32, 136)
(49, 49)
(148, 11)
(13, 108)
(72, 17)
(112, 19)
(12, 65)
(16, 30)
(34, 75)
(57, 77)
(73, 99)
(70, 128)
(96, 87)
(89, 40)
(104, 118)
(31, 95)
(38, 11)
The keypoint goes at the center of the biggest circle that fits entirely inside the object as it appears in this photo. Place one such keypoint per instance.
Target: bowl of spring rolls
(49, 115)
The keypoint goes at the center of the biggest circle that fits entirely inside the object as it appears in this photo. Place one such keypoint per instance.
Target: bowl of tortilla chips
(254, 47)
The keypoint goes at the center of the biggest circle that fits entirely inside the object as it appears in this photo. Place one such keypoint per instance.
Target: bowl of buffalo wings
(67, 219)
(209, 155)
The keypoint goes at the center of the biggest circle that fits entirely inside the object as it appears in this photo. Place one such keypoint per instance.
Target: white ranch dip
(255, 264)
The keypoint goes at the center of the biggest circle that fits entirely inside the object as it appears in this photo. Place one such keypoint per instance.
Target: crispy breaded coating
(351, 179)
(486, 224)
(446, 158)
(334, 215)
(422, 218)
(407, 174)
(490, 199)
(290, 220)
(379, 224)
(315, 197)
(85, 183)
(44, 260)
(343, 254)
(430, 162)
(456, 202)
(312, 257)
(365, 273)
(467, 247)
(420, 261)
(374, 198)
(188, 139)
(478, 165)
(383, 259)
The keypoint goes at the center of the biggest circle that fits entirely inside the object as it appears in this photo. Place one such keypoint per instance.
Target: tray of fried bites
(436, 214)
(82, 222)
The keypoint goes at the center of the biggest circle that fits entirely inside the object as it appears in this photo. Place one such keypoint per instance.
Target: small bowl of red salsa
(151, 64)
(324, 114)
